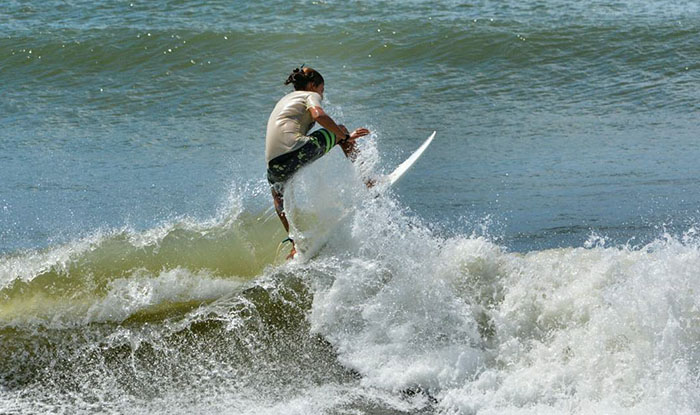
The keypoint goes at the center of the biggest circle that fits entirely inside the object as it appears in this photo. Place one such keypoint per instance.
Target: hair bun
(301, 76)
(297, 77)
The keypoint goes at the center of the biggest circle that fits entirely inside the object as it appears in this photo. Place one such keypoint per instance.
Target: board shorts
(281, 168)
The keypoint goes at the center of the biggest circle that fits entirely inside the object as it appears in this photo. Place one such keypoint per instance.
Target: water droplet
(225, 37)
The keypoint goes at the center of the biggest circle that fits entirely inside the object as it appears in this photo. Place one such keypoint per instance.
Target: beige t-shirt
(289, 123)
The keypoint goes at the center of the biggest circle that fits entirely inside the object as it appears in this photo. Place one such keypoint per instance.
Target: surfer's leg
(278, 172)
(278, 197)
(282, 168)
(279, 208)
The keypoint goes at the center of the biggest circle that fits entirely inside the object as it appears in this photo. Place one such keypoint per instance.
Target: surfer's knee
(324, 140)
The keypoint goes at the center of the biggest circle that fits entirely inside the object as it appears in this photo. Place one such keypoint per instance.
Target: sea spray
(573, 330)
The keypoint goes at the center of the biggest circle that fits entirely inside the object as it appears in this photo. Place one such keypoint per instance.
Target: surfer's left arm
(320, 116)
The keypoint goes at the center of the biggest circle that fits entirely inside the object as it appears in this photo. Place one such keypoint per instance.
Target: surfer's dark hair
(300, 77)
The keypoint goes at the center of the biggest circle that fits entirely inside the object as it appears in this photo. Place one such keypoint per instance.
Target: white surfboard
(395, 175)
(309, 247)
(392, 177)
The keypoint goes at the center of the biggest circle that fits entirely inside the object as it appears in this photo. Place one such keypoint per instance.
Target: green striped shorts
(281, 168)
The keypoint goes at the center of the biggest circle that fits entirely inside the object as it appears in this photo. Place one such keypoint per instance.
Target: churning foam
(575, 330)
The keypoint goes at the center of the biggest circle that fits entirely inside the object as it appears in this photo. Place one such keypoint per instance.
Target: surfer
(288, 144)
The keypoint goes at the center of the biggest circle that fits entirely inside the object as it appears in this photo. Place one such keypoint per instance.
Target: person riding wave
(288, 144)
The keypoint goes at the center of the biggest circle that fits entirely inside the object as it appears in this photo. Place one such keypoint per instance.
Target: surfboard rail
(402, 168)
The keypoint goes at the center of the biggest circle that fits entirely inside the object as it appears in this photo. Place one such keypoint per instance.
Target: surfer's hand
(360, 132)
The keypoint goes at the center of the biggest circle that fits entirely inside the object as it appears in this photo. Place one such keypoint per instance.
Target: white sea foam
(142, 291)
(594, 329)
(598, 330)
(139, 291)
(24, 266)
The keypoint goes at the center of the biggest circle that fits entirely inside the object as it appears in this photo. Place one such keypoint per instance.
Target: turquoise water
(541, 257)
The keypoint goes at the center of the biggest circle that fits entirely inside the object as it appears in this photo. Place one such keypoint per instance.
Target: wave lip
(111, 276)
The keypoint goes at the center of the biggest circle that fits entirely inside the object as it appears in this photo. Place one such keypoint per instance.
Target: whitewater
(390, 316)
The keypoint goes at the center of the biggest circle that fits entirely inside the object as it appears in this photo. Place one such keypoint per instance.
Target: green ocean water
(541, 257)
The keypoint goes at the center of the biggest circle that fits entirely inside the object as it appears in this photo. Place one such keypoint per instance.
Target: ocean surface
(542, 257)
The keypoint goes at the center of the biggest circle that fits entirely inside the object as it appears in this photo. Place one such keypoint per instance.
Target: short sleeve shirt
(289, 123)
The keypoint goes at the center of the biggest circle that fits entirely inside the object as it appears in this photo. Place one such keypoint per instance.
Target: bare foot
(292, 252)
